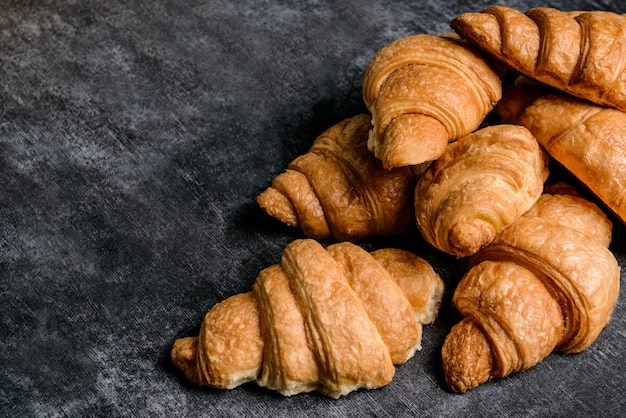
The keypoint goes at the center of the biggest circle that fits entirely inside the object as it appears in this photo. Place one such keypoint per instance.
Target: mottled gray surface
(134, 137)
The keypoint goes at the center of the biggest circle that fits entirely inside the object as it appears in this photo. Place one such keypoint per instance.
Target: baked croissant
(582, 53)
(547, 282)
(332, 320)
(587, 139)
(339, 189)
(482, 183)
(424, 91)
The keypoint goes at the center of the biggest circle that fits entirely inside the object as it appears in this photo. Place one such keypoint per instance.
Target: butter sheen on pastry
(482, 183)
(547, 282)
(424, 91)
(339, 189)
(587, 139)
(332, 319)
(579, 52)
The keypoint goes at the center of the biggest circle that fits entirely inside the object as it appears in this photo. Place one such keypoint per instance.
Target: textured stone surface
(134, 137)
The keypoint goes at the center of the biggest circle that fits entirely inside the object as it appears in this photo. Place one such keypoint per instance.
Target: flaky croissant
(482, 183)
(581, 53)
(332, 320)
(424, 91)
(547, 282)
(587, 139)
(339, 189)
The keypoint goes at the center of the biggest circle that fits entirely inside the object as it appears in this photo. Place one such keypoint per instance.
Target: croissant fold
(581, 52)
(587, 139)
(547, 282)
(424, 91)
(339, 189)
(482, 183)
(329, 319)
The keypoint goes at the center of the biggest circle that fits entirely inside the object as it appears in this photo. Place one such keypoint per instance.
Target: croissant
(581, 53)
(424, 91)
(481, 183)
(339, 189)
(329, 319)
(547, 282)
(589, 140)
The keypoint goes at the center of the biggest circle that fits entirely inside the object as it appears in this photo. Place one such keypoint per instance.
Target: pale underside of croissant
(581, 53)
(482, 183)
(548, 282)
(589, 140)
(340, 189)
(329, 319)
(424, 91)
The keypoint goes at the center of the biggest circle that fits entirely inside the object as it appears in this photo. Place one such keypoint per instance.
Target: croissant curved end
(183, 355)
(479, 26)
(278, 206)
(411, 139)
(467, 357)
(467, 237)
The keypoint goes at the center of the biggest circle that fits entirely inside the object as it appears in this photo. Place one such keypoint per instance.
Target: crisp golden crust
(547, 282)
(482, 183)
(339, 189)
(580, 271)
(332, 320)
(511, 323)
(492, 293)
(231, 343)
(329, 303)
(565, 207)
(467, 357)
(383, 299)
(289, 363)
(421, 285)
(292, 200)
(588, 140)
(413, 88)
(581, 53)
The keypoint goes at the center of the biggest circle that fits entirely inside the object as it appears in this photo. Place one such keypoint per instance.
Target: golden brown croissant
(481, 183)
(332, 320)
(587, 139)
(424, 91)
(547, 282)
(582, 53)
(339, 189)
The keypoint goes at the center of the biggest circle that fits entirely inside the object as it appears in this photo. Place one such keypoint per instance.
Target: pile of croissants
(541, 276)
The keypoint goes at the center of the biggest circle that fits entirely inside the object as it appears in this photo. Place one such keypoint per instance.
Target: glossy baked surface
(134, 138)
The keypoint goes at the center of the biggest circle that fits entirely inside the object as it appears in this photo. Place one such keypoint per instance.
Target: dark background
(134, 137)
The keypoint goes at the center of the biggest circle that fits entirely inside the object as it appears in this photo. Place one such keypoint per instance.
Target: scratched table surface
(134, 138)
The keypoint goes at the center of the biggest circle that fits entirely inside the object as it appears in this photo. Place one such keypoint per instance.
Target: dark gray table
(134, 137)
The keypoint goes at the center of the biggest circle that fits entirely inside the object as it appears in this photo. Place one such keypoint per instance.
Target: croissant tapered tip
(402, 145)
(278, 206)
(479, 29)
(183, 355)
(467, 237)
(467, 357)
